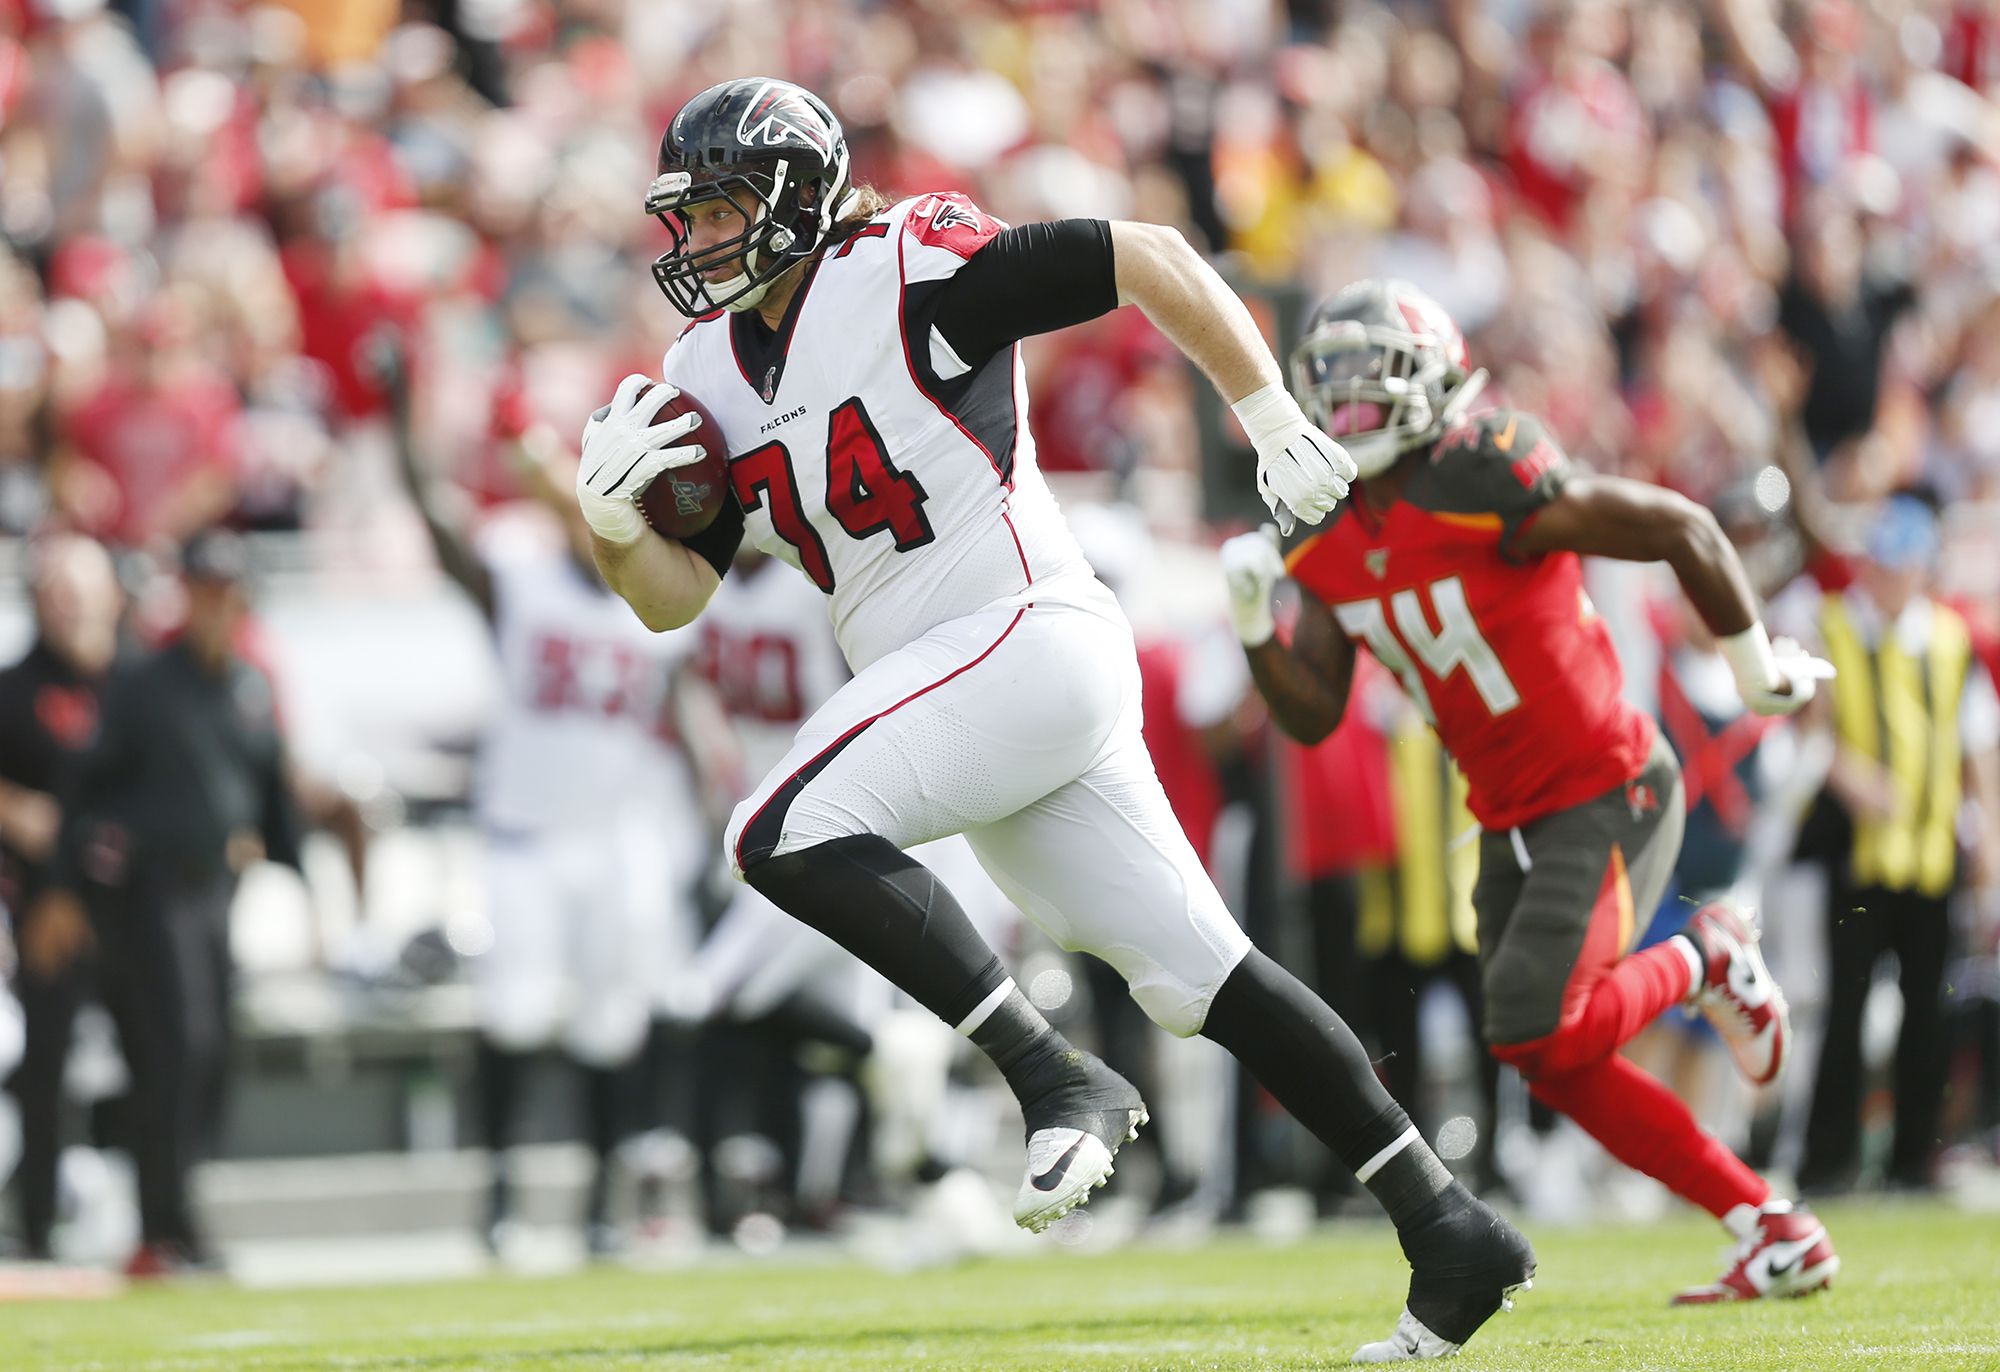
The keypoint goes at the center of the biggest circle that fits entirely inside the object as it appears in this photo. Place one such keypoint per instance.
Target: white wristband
(1268, 413)
(1751, 659)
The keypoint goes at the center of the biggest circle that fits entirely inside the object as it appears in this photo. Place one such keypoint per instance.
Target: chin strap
(750, 299)
(1453, 411)
(1461, 401)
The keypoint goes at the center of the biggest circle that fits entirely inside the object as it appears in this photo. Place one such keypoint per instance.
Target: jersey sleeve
(974, 285)
(1502, 467)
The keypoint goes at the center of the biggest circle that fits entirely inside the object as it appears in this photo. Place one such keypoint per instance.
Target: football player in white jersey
(580, 794)
(861, 361)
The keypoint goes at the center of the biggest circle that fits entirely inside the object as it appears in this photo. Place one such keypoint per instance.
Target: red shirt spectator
(1823, 120)
(1972, 44)
(1566, 128)
(168, 447)
(1187, 773)
(341, 307)
(1084, 393)
(1337, 800)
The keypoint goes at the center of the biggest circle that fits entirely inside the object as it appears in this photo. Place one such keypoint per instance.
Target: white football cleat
(1411, 1341)
(1466, 1264)
(1076, 1125)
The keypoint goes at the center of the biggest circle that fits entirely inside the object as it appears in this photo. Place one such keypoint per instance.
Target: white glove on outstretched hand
(1301, 473)
(623, 450)
(1252, 566)
(1773, 678)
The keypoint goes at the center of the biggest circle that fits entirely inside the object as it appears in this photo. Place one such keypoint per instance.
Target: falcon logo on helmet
(782, 114)
(776, 155)
(1383, 369)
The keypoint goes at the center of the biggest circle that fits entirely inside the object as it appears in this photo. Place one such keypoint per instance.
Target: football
(682, 501)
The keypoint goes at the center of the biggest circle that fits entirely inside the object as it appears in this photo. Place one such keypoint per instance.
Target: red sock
(1605, 1017)
(1649, 1129)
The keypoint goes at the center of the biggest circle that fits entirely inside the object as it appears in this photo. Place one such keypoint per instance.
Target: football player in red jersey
(1456, 564)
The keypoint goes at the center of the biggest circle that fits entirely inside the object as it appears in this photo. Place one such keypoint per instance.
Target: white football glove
(1301, 473)
(623, 451)
(1252, 566)
(1773, 678)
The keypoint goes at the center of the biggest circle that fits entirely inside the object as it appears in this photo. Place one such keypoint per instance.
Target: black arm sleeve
(1030, 279)
(717, 544)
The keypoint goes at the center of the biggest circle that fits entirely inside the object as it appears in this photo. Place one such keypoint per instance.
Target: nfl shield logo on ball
(690, 496)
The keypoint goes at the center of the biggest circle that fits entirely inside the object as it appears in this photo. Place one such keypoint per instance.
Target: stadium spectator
(1841, 318)
(155, 444)
(48, 712)
(183, 787)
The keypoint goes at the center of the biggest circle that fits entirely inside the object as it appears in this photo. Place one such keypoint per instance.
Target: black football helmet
(776, 153)
(1383, 369)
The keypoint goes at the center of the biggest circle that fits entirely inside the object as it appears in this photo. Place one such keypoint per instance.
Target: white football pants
(1019, 728)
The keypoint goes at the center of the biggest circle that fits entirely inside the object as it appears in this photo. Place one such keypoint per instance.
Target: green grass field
(1921, 1289)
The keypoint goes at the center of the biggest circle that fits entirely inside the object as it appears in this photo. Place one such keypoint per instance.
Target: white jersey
(899, 479)
(767, 649)
(581, 731)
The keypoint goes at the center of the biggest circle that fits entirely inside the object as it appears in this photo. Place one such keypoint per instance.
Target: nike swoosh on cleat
(1050, 1179)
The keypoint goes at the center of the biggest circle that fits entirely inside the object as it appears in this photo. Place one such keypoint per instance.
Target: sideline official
(48, 713)
(184, 787)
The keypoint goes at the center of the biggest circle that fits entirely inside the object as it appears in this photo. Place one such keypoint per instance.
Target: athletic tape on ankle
(1697, 974)
(985, 1008)
(1375, 1164)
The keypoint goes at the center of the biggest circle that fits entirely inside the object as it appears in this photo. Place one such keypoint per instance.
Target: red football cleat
(150, 1262)
(1788, 1254)
(1737, 993)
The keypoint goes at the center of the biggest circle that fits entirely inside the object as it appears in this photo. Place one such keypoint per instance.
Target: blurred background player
(48, 716)
(1916, 731)
(586, 806)
(1475, 525)
(183, 787)
(1416, 930)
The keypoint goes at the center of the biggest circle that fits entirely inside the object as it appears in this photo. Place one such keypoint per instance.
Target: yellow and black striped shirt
(1901, 708)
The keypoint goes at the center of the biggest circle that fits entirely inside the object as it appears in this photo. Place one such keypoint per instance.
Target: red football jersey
(1506, 657)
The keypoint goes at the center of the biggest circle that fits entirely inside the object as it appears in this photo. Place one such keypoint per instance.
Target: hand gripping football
(682, 501)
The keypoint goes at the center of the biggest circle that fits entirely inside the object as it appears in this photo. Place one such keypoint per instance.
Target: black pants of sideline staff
(1863, 923)
(163, 972)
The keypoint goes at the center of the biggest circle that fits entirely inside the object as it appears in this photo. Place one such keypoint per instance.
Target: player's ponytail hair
(863, 203)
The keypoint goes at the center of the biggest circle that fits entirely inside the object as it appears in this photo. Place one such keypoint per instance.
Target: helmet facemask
(1380, 392)
(772, 241)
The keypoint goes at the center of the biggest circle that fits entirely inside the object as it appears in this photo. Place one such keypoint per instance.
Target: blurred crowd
(1749, 249)
(1643, 214)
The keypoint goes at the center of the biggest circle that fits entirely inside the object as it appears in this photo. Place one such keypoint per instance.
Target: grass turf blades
(1920, 1289)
